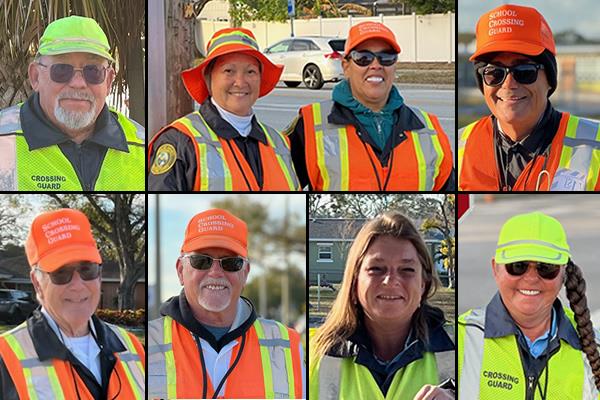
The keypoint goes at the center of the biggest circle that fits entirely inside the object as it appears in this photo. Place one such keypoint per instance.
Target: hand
(431, 392)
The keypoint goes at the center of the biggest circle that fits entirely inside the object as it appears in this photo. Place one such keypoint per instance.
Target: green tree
(119, 223)
(432, 6)
(442, 219)
(23, 22)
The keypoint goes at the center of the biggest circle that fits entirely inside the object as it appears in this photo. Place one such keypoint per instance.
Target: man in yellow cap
(524, 343)
(63, 351)
(525, 144)
(209, 342)
(366, 138)
(64, 137)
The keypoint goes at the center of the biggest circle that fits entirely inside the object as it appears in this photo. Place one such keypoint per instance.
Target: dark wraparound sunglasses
(63, 73)
(544, 270)
(495, 75)
(204, 262)
(365, 58)
(87, 272)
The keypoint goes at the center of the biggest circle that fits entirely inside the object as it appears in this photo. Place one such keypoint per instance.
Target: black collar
(224, 129)
(499, 323)
(48, 346)
(178, 308)
(40, 132)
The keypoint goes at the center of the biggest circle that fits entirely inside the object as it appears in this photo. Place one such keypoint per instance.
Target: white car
(313, 60)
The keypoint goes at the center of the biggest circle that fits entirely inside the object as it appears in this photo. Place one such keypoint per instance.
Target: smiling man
(64, 137)
(525, 144)
(366, 138)
(209, 342)
(63, 351)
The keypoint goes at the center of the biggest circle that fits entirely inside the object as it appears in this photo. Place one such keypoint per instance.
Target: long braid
(575, 285)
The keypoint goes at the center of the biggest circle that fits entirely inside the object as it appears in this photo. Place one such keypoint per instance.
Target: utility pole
(285, 287)
(157, 255)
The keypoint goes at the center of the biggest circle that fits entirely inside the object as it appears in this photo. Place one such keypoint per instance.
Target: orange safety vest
(574, 152)
(269, 366)
(216, 158)
(337, 159)
(55, 378)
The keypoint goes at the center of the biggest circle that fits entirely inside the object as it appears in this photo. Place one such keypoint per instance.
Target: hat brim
(69, 254)
(530, 252)
(73, 48)
(509, 46)
(206, 241)
(193, 78)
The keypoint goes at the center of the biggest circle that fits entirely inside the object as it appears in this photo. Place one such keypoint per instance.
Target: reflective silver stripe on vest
(426, 136)
(331, 146)
(330, 374)
(445, 365)
(214, 158)
(468, 386)
(232, 37)
(583, 146)
(276, 345)
(282, 150)
(38, 370)
(132, 359)
(157, 374)
(9, 124)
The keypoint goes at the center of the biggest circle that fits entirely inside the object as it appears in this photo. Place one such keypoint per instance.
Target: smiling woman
(382, 338)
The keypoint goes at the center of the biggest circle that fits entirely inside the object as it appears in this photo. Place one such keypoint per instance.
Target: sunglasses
(365, 58)
(544, 270)
(494, 75)
(87, 272)
(63, 73)
(204, 262)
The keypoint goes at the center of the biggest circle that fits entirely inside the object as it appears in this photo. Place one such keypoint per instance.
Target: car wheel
(312, 77)
(291, 83)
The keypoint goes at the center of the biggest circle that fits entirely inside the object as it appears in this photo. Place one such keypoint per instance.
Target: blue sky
(581, 15)
(178, 209)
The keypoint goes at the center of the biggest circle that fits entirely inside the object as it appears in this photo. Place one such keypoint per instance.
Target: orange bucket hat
(515, 29)
(60, 237)
(216, 228)
(364, 31)
(227, 41)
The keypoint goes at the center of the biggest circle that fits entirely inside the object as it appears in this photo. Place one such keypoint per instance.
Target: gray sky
(581, 15)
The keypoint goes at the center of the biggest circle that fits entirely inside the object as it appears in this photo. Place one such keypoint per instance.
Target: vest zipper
(530, 392)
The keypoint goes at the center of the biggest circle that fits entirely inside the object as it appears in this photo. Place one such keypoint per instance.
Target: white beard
(75, 120)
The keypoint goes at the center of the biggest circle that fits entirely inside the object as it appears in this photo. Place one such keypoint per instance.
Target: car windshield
(338, 44)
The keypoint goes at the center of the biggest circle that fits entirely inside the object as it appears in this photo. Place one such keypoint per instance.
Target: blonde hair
(346, 311)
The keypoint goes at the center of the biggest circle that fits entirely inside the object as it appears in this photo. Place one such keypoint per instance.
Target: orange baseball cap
(370, 30)
(216, 228)
(227, 41)
(515, 29)
(60, 237)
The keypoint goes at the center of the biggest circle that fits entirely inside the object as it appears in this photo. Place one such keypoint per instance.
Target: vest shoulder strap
(445, 365)
(160, 353)
(423, 116)
(134, 132)
(474, 325)
(330, 372)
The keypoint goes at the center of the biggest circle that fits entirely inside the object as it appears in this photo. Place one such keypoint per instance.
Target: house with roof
(331, 238)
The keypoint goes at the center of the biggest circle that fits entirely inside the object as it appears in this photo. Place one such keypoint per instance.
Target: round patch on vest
(164, 159)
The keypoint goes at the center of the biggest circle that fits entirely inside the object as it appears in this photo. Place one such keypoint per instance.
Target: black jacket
(341, 115)
(48, 346)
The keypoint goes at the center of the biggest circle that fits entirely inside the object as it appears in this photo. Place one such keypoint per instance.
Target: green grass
(444, 299)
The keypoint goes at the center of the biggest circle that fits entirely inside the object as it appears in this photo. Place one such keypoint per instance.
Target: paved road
(478, 234)
(281, 106)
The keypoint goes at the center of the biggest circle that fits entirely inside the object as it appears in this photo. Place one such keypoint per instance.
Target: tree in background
(442, 219)
(24, 21)
(10, 230)
(432, 6)
(119, 225)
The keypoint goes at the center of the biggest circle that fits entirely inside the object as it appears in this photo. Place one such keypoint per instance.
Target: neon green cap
(74, 34)
(532, 237)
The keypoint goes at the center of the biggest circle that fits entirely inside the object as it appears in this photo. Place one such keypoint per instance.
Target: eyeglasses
(365, 58)
(494, 75)
(63, 73)
(87, 272)
(544, 270)
(204, 262)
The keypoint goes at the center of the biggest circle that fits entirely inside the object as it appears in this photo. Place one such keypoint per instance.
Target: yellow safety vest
(47, 168)
(491, 368)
